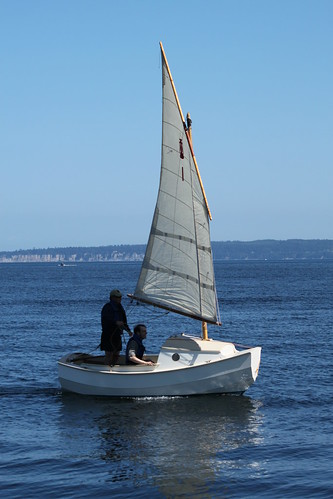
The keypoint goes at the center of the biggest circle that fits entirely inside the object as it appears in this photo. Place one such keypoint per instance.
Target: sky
(80, 117)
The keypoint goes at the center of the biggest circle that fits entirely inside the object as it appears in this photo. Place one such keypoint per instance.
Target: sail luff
(186, 131)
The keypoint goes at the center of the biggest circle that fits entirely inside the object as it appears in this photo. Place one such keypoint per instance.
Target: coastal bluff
(290, 249)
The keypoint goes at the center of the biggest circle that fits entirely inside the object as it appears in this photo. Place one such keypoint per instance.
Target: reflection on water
(179, 446)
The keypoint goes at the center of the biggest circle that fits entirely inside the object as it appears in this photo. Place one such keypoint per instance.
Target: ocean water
(274, 441)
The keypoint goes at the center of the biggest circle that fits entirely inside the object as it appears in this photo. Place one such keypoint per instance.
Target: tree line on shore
(290, 249)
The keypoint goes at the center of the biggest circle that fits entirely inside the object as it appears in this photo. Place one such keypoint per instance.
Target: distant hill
(290, 249)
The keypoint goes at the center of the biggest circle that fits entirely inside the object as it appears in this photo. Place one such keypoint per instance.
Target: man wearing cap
(114, 321)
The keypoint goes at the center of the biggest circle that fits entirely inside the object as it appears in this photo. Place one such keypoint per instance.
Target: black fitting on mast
(189, 121)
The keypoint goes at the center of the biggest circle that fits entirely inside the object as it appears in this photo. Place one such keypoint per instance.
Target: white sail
(177, 272)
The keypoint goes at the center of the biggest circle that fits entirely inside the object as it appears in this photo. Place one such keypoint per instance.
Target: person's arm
(135, 359)
(123, 326)
(127, 328)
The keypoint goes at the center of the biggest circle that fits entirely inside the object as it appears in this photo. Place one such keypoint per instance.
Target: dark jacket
(134, 343)
(112, 312)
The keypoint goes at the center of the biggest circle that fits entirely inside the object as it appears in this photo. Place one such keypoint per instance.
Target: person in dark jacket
(135, 348)
(114, 321)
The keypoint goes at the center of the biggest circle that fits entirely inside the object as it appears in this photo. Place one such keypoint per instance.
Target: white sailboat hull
(185, 366)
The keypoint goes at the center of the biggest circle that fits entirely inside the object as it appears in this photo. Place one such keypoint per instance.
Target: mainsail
(177, 272)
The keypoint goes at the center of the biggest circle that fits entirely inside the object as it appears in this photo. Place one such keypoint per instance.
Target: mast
(189, 128)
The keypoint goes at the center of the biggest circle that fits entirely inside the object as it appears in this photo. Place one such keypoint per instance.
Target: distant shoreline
(267, 249)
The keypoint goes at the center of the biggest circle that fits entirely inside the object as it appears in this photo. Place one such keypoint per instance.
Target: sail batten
(186, 277)
(177, 273)
(167, 235)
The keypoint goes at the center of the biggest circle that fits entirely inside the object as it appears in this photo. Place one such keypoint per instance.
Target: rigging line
(148, 308)
(156, 315)
(130, 309)
(91, 351)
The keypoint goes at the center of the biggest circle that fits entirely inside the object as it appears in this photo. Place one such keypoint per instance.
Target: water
(275, 441)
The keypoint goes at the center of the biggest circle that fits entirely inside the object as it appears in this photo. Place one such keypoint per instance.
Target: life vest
(139, 351)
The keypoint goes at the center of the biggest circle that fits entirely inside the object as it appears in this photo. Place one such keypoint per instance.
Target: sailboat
(177, 274)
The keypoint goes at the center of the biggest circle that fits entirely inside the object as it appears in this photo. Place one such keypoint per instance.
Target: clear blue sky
(80, 116)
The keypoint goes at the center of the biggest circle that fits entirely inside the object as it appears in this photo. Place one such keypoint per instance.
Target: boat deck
(84, 359)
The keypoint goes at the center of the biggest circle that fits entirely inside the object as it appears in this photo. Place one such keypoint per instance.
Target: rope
(94, 349)
(154, 315)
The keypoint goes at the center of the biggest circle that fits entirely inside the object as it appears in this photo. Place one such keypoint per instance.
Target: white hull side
(228, 375)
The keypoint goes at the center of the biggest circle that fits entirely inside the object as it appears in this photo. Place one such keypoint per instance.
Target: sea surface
(274, 441)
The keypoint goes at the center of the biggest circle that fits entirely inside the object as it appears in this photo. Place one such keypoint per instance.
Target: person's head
(141, 331)
(115, 295)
